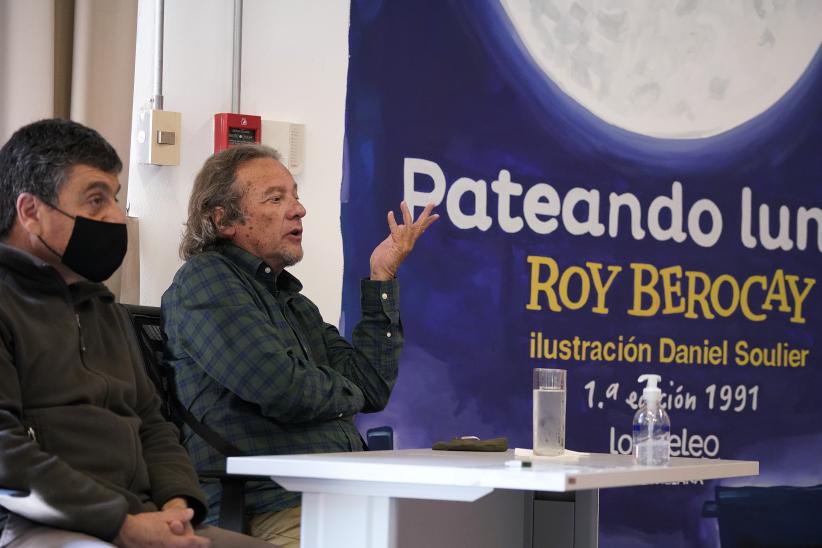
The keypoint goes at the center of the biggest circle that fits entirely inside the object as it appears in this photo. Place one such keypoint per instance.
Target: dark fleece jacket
(80, 423)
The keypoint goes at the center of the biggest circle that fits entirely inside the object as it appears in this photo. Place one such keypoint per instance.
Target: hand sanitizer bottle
(652, 427)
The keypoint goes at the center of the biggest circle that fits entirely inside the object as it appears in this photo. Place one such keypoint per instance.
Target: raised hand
(390, 253)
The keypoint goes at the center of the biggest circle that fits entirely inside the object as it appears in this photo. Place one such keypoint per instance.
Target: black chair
(147, 324)
(380, 438)
(761, 517)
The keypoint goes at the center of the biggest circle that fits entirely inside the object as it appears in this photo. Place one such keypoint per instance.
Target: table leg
(586, 519)
(567, 519)
(346, 521)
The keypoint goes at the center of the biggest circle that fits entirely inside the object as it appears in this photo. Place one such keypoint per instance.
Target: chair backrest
(147, 322)
(380, 438)
(767, 516)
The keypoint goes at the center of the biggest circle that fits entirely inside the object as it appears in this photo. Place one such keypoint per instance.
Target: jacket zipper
(106, 382)
(83, 360)
(82, 342)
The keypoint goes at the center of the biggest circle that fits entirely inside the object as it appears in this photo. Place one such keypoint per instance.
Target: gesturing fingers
(425, 213)
(411, 229)
(425, 220)
(392, 222)
(406, 213)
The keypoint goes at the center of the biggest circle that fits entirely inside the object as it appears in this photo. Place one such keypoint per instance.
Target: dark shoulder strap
(211, 437)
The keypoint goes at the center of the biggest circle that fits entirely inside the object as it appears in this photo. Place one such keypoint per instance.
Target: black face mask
(95, 249)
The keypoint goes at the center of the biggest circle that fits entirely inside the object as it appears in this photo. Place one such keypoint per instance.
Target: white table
(347, 497)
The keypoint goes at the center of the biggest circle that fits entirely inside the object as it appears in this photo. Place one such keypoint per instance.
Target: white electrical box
(158, 137)
(289, 140)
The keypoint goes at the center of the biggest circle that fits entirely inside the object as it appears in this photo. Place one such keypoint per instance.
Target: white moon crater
(682, 69)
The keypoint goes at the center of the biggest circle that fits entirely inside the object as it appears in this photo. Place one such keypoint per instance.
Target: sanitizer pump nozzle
(651, 392)
(652, 427)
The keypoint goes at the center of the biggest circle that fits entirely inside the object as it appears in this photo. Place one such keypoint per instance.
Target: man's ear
(218, 216)
(29, 208)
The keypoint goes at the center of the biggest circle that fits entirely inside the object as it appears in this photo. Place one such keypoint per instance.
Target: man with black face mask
(83, 444)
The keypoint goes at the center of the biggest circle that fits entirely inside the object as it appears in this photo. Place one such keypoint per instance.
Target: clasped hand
(169, 528)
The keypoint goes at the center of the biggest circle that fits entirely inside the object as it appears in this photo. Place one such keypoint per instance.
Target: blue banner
(616, 199)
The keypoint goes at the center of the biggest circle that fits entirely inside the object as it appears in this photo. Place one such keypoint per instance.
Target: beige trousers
(280, 528)
(22, 533)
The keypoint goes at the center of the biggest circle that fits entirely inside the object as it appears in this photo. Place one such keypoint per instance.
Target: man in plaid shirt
(252, 357)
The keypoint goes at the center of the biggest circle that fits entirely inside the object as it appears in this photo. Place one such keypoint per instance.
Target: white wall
(295, 65)
(101, 83)
(101, 96)
(26, 64)
(295, 57)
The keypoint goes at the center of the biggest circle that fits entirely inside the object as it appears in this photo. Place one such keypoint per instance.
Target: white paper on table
(565, 456)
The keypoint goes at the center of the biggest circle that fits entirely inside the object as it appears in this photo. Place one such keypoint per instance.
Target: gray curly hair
(214, 187)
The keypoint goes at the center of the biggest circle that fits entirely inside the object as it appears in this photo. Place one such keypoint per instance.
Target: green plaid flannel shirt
(254, 360)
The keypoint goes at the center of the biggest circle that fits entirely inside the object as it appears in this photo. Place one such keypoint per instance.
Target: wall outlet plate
(158, 137)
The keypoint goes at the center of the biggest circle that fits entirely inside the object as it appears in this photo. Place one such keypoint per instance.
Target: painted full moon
(683, 69)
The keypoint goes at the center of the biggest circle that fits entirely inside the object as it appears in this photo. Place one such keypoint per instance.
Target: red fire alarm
(235, 129)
